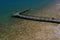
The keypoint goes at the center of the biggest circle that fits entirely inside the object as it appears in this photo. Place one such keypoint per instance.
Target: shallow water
(21, 29)
(9, 7)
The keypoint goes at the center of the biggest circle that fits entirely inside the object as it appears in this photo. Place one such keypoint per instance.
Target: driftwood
(52, 20)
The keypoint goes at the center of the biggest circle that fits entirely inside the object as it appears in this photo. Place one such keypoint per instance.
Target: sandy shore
(34, 30)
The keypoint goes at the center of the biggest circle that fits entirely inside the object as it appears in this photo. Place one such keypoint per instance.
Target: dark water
(8, 7)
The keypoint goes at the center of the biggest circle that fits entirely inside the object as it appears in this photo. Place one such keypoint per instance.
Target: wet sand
(34, 30)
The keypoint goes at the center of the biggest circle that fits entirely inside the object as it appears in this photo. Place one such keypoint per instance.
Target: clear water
(8, 7)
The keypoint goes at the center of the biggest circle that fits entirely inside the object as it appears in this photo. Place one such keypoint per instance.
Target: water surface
(8, 7)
